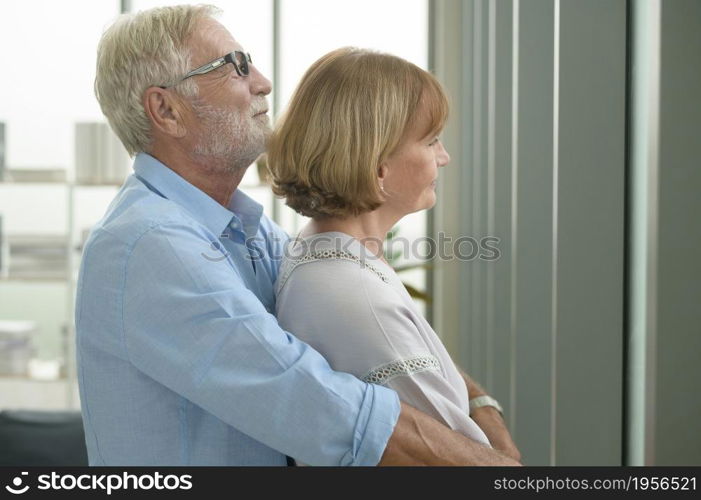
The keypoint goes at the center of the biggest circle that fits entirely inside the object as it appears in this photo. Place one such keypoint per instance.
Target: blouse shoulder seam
(326, 255)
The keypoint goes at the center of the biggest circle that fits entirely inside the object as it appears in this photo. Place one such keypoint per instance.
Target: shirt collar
(248, 211)
(161, 179)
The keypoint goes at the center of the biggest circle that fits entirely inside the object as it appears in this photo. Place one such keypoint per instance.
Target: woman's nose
(442, 157)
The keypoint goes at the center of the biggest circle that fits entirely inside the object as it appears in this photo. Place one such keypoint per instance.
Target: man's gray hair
(139, 51)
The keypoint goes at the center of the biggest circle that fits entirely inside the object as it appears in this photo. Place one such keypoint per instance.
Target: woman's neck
(370, 228)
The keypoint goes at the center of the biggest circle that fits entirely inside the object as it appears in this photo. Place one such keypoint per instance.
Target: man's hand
(420, 440)
(490, 421)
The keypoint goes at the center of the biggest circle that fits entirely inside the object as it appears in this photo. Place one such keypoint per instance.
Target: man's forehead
(211, 40)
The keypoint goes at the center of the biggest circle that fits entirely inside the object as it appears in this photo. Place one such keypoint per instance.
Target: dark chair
(48, 438)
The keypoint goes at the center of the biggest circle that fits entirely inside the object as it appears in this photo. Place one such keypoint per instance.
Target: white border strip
(491, 188)
(555, 207)
(514, 207)
(653, 167)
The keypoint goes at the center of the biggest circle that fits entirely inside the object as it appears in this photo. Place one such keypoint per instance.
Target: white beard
(230, 137)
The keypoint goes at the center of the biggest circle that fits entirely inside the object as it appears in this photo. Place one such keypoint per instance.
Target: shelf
(27, 378)
(34, 183)
(24, 393)
(33, 261)
(33, 279)
(34, 176)
(34, 257)
(103, 184)
(46, 182)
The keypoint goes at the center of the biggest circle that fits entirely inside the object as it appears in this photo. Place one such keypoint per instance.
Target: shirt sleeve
(361, 326)
(191, 324)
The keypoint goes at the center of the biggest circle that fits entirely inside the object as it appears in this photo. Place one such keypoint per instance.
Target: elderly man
(180, 359)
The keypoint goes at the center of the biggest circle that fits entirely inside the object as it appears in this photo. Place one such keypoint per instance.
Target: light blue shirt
(180, 360)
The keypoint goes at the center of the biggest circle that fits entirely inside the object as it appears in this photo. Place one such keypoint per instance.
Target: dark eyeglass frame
(242, 69)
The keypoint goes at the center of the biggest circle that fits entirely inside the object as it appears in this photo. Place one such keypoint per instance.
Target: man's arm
(420, 440)
(491, 421)
(191, 324)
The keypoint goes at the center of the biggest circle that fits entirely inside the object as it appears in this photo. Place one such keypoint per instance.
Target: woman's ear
(163, 110)
(382, 171)
(381, 176)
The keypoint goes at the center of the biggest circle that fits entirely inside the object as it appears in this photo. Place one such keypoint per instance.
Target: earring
(382, 189)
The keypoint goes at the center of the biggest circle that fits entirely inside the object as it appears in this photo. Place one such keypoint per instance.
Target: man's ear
(164, 109)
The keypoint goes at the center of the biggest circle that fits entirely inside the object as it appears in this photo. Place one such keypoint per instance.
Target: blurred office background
(575, 139)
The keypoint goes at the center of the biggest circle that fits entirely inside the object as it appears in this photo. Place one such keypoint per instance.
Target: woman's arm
(360, 326)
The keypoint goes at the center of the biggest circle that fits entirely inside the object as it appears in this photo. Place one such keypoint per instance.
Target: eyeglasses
(240, 61)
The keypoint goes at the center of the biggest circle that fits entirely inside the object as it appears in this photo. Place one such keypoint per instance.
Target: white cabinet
(45, 221)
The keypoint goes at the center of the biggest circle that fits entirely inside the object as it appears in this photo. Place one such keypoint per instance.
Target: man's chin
(250, 157)
(266, 129)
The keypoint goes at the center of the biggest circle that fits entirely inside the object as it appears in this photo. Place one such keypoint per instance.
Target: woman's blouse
(333, 294)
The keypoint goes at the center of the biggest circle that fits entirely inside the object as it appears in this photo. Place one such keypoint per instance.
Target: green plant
(393, 257)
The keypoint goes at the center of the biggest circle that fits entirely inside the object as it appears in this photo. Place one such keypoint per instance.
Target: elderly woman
(357, 150)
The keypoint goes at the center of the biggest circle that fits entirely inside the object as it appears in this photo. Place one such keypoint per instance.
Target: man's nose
(259, 83)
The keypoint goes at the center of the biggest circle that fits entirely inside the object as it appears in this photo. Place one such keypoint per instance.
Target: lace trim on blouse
(333, 255)
(387, 372)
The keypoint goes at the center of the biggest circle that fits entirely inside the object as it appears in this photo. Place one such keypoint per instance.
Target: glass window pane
(48, 61)
(311, 28)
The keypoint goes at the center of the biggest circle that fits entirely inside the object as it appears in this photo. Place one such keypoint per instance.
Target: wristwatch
(485, 400)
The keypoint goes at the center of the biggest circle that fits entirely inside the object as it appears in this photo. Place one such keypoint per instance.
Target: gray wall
(588, 328)
(679, 280)
(665, 281)
(537, 138)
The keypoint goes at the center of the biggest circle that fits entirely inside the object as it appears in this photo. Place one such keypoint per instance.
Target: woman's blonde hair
(350, 112)
(139, 51)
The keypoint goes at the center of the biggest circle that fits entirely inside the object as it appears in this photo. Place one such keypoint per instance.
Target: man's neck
(208, 175)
